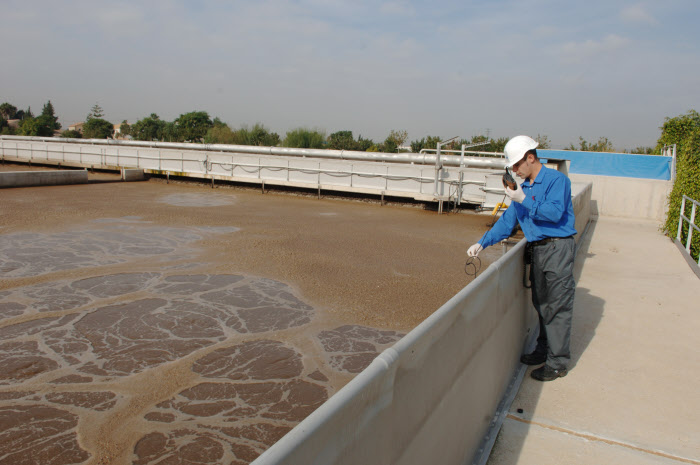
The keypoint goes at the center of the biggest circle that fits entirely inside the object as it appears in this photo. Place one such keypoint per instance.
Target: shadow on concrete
(103, 181)
(588, 308)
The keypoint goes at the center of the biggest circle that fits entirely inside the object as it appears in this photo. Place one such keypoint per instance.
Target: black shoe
(535, 358)
(547, 373)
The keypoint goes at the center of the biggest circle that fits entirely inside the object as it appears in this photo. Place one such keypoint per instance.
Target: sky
(562, 69)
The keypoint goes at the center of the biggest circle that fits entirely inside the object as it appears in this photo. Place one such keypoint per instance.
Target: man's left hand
(516, 195)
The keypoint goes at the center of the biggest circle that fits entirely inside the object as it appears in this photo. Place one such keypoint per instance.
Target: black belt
(547, 240)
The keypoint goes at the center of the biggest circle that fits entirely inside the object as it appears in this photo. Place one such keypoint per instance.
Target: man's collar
(539, 177)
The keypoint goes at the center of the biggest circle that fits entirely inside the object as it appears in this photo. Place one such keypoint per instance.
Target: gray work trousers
(553, 287)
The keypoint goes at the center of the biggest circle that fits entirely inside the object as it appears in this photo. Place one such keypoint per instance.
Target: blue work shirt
(547, 210)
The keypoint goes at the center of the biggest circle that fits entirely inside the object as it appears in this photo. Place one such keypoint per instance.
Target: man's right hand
(474, 250)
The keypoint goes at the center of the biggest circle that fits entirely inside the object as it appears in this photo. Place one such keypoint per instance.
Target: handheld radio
(509, 181)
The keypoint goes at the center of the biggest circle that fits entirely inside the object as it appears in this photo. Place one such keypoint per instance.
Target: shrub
(684, 131)
(259, 135)
(71, 134)
(304, 138)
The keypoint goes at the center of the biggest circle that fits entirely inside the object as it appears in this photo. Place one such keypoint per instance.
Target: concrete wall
(432, 397)
(42, 178)
(582, 194)
(627, 197)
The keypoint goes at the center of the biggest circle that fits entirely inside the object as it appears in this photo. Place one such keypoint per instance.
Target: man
(542, 205)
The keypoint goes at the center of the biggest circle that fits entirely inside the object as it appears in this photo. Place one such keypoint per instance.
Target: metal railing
(359, 172)
(670, 151)
(691, 226)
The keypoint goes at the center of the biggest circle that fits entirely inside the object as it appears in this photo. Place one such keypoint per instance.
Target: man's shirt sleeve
(502, 229)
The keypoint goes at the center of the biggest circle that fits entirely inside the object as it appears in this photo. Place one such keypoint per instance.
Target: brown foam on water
(50, 297)
(72, 379)
(237, 445)
(99, 401)
(23, 360)
(159, 367)
(253, 360)
(352, 348)
(8, 309)
(262, 383)
(267, 389)
(184, 313)
(32, 434)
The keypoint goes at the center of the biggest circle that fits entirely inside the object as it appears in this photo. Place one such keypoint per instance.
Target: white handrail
(691, 225)
(417, 158)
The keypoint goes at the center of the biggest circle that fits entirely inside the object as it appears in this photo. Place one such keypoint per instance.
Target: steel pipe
(415, 158)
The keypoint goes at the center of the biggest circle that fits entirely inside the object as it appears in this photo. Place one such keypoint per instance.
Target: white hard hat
(517, 147)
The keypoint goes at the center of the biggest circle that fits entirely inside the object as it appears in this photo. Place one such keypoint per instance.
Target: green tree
(364, 145)
(98, 128)
(95, 112)
(388, 146)
(241, 136)
(342, 140)
(149, 128)
(304, 138)
(542, 140)
(603, 145)
(28, 127)
(486, 144)
(260, 136)
(42, 126)
(8, 111)
(257, 135)
(394, 140)
(47, 125)
(220, 134)
(51, 118)
(125, 129)
(498, 145)
(193, 126)
(430, 142)
(483, 141)
(170, 132)
(5, 129)
(644, 151)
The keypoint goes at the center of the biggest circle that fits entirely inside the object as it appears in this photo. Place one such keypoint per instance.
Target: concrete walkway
(632, 395)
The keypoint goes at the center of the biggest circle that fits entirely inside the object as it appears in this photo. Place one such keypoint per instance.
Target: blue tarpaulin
(613, 164)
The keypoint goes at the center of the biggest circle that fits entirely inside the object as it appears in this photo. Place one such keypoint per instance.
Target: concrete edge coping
(131, 175)
(10, 179)
(693, 265)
